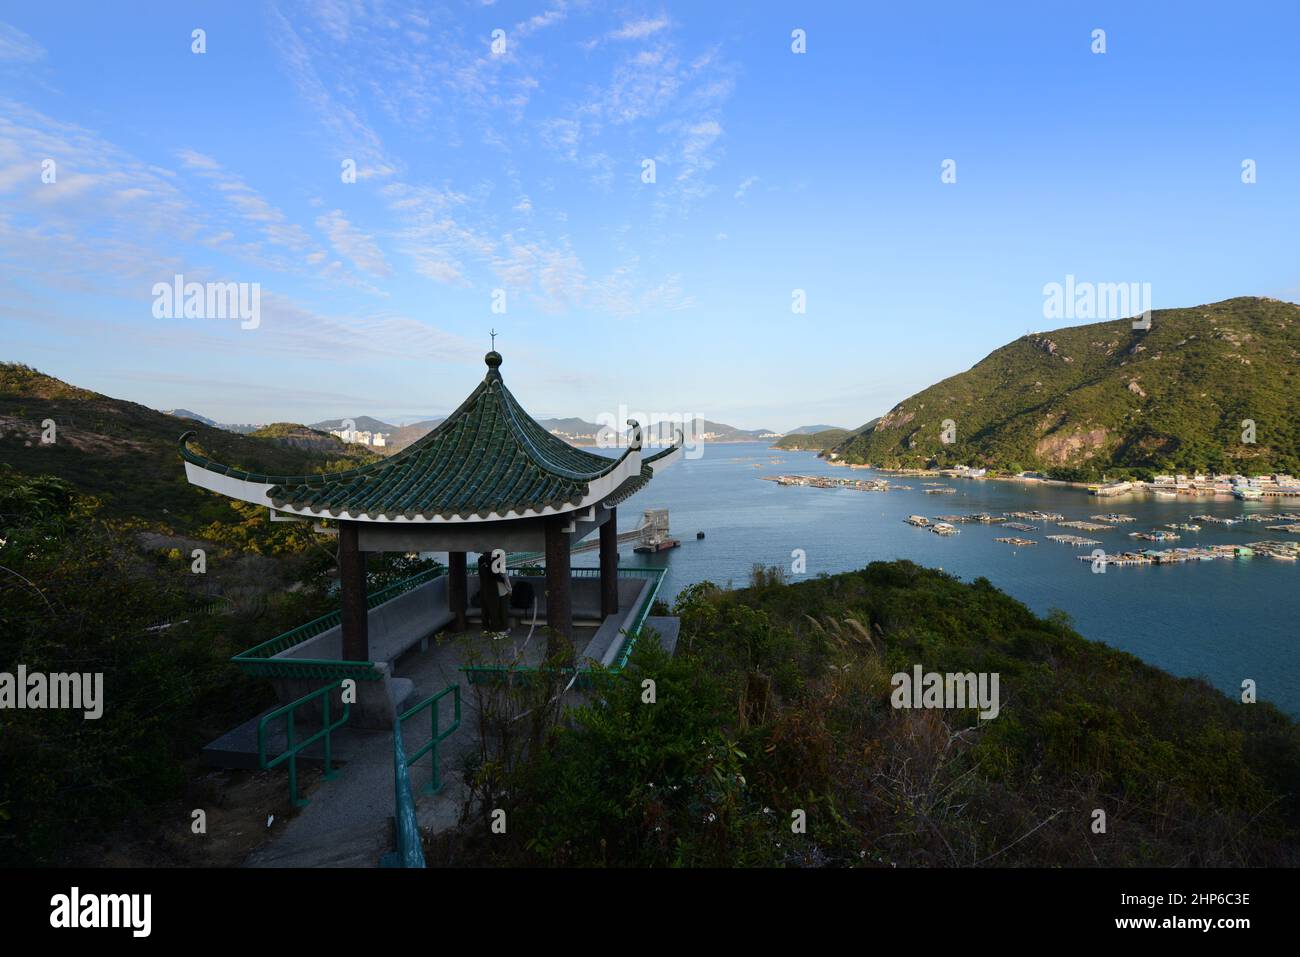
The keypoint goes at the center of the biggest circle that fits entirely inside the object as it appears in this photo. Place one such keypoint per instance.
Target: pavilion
(488, 477)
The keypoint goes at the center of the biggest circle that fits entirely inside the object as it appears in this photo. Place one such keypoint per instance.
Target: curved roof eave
(259, 493)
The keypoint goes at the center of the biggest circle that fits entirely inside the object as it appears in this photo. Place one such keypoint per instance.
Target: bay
(1224, 621)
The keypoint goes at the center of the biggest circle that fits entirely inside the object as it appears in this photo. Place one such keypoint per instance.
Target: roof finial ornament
(493, 358)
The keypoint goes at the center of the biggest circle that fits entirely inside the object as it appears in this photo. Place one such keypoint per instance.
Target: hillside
(301, 437)
(187, 414)
(781, 697)
(241, 428)
(125, 454)
(811, 441)
(1105, 398)
(404, 435)
(362, 423)
(811, 429)
(821, 441)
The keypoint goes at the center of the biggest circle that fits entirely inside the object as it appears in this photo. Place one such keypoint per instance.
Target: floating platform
(663, 546)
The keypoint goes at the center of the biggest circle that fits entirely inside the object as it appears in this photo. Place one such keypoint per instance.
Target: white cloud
(351, 243)
(18, 47)
(639, 29)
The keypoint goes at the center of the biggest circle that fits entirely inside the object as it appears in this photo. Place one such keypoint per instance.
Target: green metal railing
(293, 748)
(436, 737)
(479, 674)
(410, 852)
(260, 660)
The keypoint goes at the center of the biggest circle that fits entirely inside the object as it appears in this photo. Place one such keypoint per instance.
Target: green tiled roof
(488, 456)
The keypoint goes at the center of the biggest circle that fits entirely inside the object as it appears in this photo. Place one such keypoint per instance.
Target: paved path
(349, 822)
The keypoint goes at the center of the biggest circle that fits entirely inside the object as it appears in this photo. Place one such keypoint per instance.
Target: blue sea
(1224, 620)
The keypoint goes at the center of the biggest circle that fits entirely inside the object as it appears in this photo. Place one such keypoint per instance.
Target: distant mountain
(1105, 398)
(810, 429)
(819, 441)
(811, 441)
(187, 414)
(242, 429)
(580, 432)
(572, 427)
(126, 454)
(301, 437)
(404, 435)
(720, 432)
(362, 423)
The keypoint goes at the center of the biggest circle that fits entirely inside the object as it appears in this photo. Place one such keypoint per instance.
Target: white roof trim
(259, 493)
(672, 458)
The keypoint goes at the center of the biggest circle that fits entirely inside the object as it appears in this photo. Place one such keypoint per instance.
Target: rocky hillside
(1106, 398)
(125, 454)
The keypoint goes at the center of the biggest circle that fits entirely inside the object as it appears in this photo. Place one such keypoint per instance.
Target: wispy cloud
(351, 243)
(18, 47)
(639, 29)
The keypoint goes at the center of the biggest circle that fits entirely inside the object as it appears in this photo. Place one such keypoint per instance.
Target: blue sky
(522, 171)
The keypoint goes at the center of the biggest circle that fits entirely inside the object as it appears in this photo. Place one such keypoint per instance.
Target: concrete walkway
(349, 822)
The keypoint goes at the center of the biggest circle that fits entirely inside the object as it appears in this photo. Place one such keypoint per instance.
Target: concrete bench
(394, 628)
(607, 643)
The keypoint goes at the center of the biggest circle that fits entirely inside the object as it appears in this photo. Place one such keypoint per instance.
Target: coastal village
(1246, 487)
(1240, 487)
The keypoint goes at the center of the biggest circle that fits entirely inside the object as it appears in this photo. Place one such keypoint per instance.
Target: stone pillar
(457, 589)
(609, 565)
(559, 596)
(352, 589)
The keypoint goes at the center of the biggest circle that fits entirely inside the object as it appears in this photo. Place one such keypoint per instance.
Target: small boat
(698, 536)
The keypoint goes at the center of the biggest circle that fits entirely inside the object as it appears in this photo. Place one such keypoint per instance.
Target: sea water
(1226, 620)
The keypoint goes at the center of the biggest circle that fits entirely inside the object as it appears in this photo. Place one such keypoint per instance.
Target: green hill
(814, 441)
(781, 698)
(819, 441)
(125, 454)
(1105, 398)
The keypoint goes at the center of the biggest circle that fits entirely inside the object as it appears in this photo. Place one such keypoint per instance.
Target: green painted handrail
(410, 852)
(633, 630)
(294, 747)
(436, 737)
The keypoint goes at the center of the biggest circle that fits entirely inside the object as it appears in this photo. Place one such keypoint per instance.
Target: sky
(501, 183)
